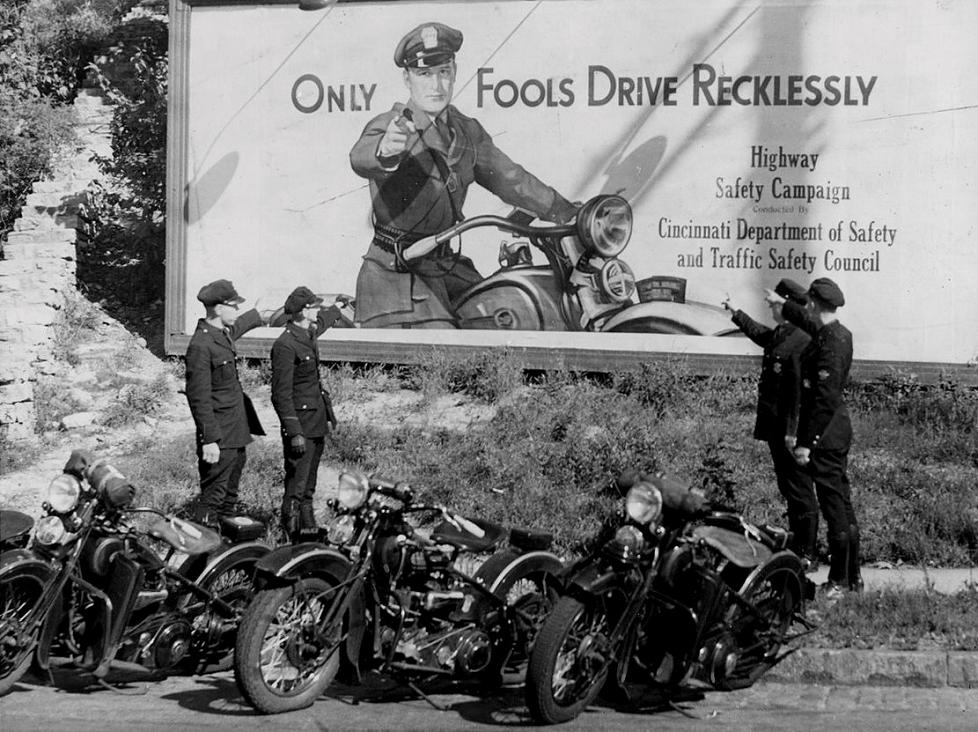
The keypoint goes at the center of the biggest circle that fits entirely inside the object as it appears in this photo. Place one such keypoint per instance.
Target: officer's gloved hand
(298, 445)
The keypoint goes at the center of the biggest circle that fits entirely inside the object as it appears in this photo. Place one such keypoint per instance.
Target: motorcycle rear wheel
(283, 659)
(19, 593)
(569, 662)
(775, 591)
(213, 635)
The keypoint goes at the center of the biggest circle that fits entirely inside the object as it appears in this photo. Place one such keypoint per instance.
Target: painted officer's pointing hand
(395, 139)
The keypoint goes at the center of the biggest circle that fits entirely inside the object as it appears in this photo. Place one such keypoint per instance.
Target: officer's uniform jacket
(423, 190)
(779, 386)
(222, 412)
(824, 418)
(300, 400)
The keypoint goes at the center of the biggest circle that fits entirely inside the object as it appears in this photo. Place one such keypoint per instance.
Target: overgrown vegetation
(547, 456)
(44, 47)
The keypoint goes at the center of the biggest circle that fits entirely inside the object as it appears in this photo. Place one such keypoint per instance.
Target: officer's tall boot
(308, 530)
(855, 575)
(805, 530)
(291, 519)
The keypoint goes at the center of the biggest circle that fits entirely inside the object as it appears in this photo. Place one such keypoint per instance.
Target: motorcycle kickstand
(414, 687)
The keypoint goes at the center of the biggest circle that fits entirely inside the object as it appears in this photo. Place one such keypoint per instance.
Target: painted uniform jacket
(301, 402)
(779, 386)
(221, 410)
(824, 418)
(409, 191)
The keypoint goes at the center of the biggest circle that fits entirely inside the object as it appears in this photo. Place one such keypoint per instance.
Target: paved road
(213, 703)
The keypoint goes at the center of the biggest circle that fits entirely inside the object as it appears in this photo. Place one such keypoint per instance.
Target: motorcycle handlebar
(506, 224)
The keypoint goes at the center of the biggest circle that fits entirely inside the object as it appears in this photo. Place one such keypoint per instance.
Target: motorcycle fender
(250, 550)
(739, 549)
(691, 318)
(590, 580)
(502, 565)
(24, 560)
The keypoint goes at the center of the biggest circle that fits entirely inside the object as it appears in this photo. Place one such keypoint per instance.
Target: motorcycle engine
(162, 646)
(461, 651)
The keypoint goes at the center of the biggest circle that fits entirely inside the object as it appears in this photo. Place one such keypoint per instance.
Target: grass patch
(908, 620)
(75, 323)
(134, 401)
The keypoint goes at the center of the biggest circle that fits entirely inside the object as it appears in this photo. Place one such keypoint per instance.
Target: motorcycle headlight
(630, 539)
(63, 493)
(617, 280)
(643, 503)
(604, 225)
(352, 490)
(340, 529)
(49, 530)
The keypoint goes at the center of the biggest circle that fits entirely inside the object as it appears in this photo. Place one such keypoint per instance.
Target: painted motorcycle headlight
(63, 493)
(617, 280)
(352, 490)
(604, 225)
(340, 529)
(643, 503)
(49, 530)
(630, 539)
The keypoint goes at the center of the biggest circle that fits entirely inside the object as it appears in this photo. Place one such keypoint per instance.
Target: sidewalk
(853, 667)
(947, 581)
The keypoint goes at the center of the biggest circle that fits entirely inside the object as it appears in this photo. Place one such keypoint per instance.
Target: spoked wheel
(213, 632)
(19, 593)
(569, 662)
(759, 626)
(288, 650)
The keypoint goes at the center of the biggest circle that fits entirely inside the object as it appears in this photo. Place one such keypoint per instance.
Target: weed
(74, 324)
(52, 402)
(134, 401)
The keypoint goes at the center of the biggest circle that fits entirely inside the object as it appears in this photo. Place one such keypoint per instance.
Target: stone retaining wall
(38, 265)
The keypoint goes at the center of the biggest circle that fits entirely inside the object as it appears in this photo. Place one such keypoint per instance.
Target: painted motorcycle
(93, 586)
(680, 593)
(414, 601)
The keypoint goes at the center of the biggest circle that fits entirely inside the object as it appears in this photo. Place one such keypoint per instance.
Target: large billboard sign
(714, 152)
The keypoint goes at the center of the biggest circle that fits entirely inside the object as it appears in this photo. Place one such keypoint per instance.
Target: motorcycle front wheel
(19, 593)
(569, 661)
(286, 653)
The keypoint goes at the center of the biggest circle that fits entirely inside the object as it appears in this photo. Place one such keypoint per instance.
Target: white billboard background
(272, 202)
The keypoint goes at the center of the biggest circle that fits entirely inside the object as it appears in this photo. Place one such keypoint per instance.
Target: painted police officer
(824, 427)
(223, 414)
(420, 158)
(302, 404)
(778, 405)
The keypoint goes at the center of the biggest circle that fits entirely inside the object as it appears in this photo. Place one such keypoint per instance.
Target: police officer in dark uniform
(302, 404)
(778, 402)
(420, 159)
(223, 413)
(824, 428)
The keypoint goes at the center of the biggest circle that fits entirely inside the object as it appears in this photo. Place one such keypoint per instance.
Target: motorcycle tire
(280, 660)
(19, 594)
(213, 635)
(560, 680)
(775, 590)
(531, 591)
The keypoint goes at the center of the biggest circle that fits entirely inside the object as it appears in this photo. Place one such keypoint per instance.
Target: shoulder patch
(823, 374)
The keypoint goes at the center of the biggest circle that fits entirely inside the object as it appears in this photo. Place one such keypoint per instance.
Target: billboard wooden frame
(345, 347)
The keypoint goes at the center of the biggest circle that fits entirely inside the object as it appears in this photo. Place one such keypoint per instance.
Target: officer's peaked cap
(791, 290)
(219, 291)
(827, 291)
(430, 44)
(301, 297)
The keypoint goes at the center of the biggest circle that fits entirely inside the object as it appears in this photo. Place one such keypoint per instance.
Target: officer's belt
(394, 241)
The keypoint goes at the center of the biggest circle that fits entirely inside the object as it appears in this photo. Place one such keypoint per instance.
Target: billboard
(733, 146)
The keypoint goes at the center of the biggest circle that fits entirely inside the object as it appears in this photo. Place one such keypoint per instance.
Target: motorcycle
(682, 593)
(584, 286)
(91, 587)
(378, 593)
(15, 529)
